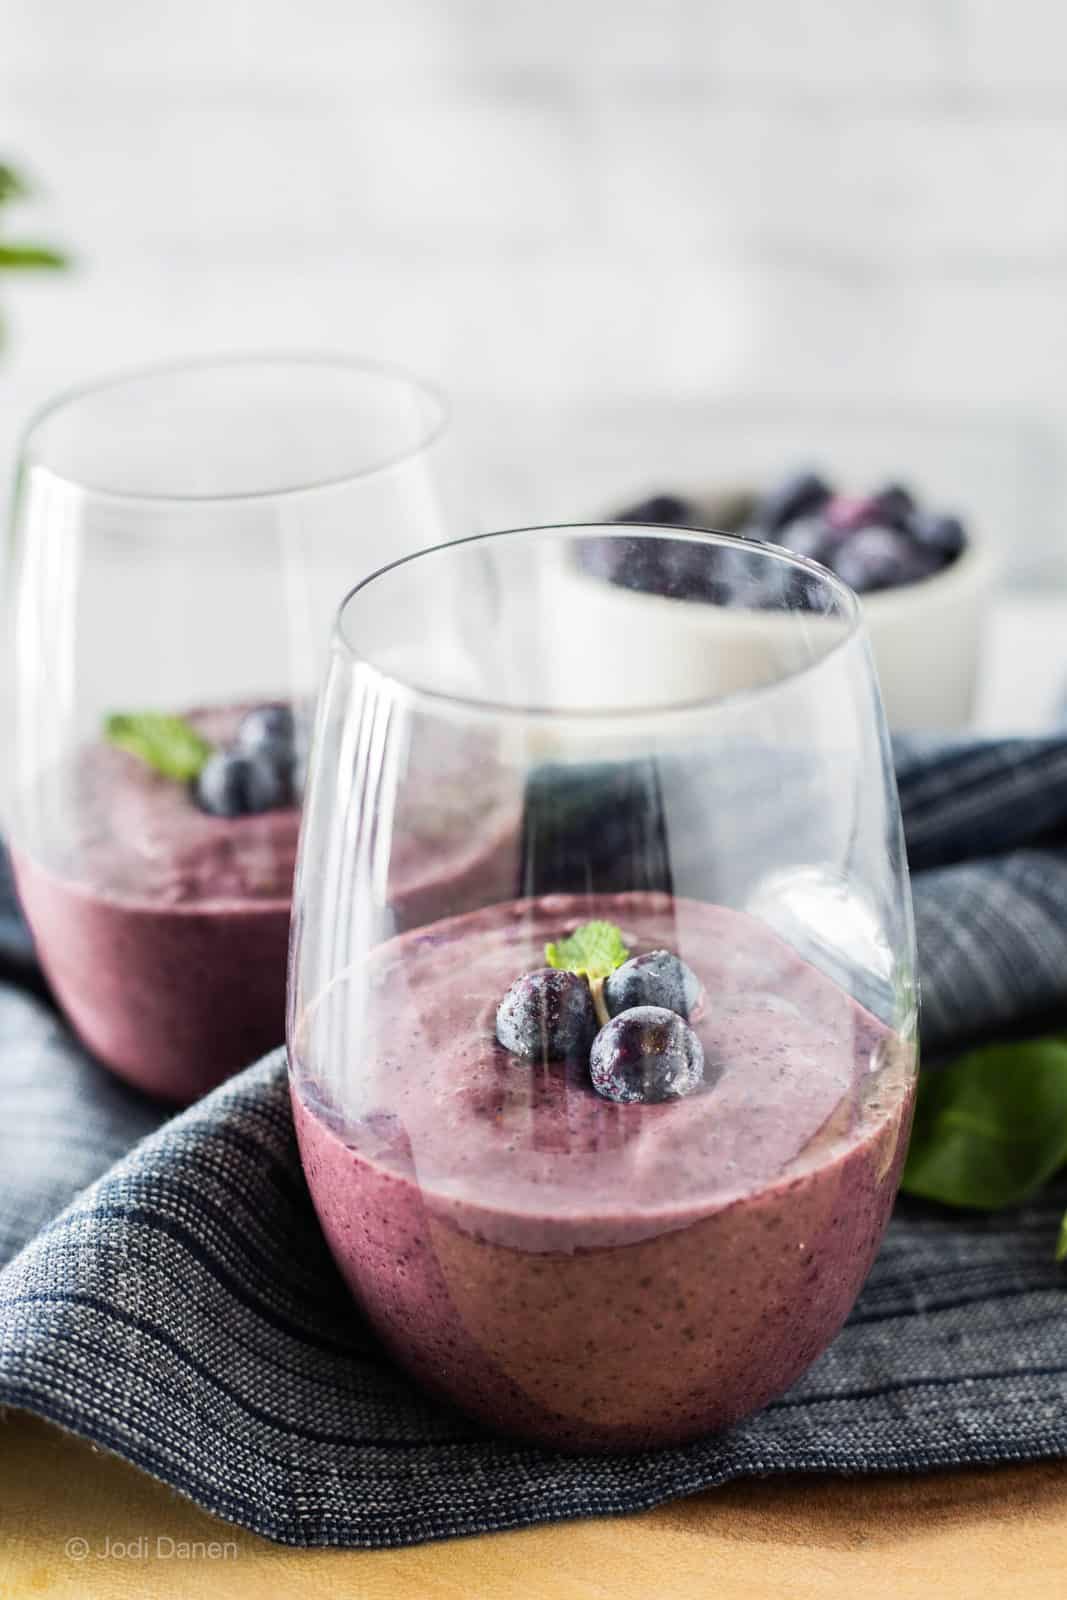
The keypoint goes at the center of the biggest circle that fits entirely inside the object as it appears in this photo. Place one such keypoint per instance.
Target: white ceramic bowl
(927, 639)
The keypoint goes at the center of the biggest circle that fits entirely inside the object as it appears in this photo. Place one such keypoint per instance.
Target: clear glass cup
(180, 540)
(630, 1207)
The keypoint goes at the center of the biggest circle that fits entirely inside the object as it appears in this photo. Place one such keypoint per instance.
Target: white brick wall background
(641, 241)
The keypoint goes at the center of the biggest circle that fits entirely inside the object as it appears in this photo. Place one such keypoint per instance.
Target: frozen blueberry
(942, 534)
(796, 590)
(668, 508)
(812, 537)
(237, 783)
(601, 558)
(656, 979)
(697, 570)
(646, 1054)
(883, 558)
(895, 505)
(270, 728)
(806, 537)
(547, 1016)
(796, 496)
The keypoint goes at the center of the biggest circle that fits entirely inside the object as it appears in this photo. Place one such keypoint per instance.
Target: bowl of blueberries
(922, 578)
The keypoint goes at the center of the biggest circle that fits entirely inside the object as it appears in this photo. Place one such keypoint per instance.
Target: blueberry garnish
(656, 979)
(646, 1054)
(237, 783)
(270, 728)
(547, 1015)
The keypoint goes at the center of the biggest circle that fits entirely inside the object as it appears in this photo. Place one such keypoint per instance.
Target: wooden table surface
(77, 1522)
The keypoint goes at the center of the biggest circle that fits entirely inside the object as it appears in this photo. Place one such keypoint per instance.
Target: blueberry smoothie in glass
(610, 1170)
(604, 1156)
(164, 927)
(180, 538)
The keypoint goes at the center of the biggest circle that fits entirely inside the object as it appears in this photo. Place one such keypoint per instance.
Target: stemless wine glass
(602, 1055)
(181, 539)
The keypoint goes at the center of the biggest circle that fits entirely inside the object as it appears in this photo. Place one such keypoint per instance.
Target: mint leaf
(168, 744)
(592, 951)
(991, 1128)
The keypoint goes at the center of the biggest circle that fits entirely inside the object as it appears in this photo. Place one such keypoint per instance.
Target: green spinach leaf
(991, 1128)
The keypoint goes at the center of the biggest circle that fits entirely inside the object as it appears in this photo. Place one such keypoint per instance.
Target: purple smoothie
(593, 1275)
(164, 931)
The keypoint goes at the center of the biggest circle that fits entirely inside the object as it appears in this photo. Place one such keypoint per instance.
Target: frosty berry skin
(645, 1050)
(644, 1055)
(547, 1015)
(591, 1274)
(658, 978)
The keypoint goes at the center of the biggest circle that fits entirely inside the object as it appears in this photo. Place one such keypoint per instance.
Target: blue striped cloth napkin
(167, 1294)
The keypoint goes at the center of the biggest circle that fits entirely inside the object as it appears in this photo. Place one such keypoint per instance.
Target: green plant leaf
(1061, 1248)
(593, 950)
(11, 185)
(169, 745)
(23, 257)
(991, 1128)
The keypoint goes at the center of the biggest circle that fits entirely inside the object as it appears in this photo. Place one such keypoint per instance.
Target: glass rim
(851, 618)
(70, 398)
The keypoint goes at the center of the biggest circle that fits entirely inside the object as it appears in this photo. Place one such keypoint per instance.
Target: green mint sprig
(991, 1128)
(592, 951)
(169, 745)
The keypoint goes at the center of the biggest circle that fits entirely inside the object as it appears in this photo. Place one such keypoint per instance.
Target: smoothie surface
(405, 1070)
(135, 835)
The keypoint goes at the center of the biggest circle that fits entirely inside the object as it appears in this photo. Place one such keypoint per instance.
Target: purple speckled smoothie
(164, 931)
(595, 1275)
